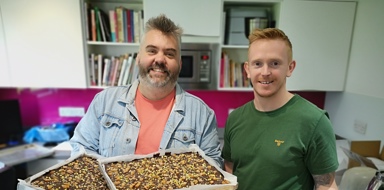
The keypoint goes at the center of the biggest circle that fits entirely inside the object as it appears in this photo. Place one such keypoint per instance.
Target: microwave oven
(196, 69)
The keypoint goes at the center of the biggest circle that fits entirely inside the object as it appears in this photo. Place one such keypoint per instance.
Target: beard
(153, 80)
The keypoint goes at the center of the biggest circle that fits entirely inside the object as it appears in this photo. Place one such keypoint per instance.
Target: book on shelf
(111, 71)
(105, 25)
(222, 68)
(96, 71)
(116, 72)
(257, 22)
(107, 67)
(123, 68)
(132, 25)
(100, 25)
(127, 70)
(87, 17)
(113, 26)
(128, 25)
(136, 26)
(231, 73)
(92, 70)
(141, 24)
(131, 68)
(135, 70)
(238, 75)
(226, 70)
(99, 69)
(120, 24)
(97, 21)
(90, 66)
(93, 25)
(125, 31)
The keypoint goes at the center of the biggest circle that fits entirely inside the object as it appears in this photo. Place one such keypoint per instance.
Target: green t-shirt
(280, 149)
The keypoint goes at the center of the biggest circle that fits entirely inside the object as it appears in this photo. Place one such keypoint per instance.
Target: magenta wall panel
(221, 102)
(41, 106)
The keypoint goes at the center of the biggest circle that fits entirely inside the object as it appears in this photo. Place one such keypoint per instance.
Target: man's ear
(181, 64)
(246, 68)
(291, 67)
(137, 60)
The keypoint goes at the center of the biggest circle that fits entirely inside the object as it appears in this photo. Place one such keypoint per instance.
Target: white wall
(363, 98)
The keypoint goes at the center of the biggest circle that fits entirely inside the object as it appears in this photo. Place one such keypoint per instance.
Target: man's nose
(160, 58)
(265, 70)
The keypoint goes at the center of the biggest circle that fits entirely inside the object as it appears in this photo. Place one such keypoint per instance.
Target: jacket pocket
(108, 121)
(182, 138)
(110, 128)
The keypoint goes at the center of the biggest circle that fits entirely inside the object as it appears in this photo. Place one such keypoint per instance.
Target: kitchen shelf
(112, 43)
(235, 46)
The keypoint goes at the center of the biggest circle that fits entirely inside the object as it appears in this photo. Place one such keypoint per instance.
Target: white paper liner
(26, 184)
(192, 148)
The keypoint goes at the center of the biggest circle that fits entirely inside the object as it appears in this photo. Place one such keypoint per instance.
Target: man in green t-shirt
(278, 140)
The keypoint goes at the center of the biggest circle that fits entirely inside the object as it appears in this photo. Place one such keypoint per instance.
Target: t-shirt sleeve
(321, 155)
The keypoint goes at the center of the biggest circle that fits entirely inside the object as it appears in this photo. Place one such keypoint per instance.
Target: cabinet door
(4, 67)
(320, 32)
(200, 19)
(44, 43)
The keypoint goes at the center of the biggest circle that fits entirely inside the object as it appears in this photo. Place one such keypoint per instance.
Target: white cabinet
(5, 79)
(200, 19)
(44, 41)
(320, 32)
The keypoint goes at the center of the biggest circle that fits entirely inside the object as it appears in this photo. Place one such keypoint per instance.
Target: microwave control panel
(205, 66)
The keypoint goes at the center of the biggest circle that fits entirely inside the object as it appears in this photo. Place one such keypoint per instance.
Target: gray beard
(145, 78)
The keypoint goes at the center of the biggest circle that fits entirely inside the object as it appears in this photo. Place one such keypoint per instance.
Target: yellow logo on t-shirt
(279, 142)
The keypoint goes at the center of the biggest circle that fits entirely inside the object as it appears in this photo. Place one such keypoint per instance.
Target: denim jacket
(111, 125)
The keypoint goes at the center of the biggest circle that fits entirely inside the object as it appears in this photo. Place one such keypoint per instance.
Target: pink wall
(41, 107)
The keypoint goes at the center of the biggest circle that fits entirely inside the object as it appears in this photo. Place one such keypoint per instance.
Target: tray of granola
(81, 171)
(187, 168)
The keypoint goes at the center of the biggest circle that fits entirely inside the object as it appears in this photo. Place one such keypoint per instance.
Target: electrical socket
(360, 127)
(71, 111)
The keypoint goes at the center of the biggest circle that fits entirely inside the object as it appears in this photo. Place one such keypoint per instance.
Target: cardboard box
(365, 153)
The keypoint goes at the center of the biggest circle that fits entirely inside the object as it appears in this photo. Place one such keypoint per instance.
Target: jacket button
(128, 140)
(185, 138)
(108, 123)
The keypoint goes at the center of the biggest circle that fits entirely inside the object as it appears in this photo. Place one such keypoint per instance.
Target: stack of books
(113, 71)
(117, 25)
